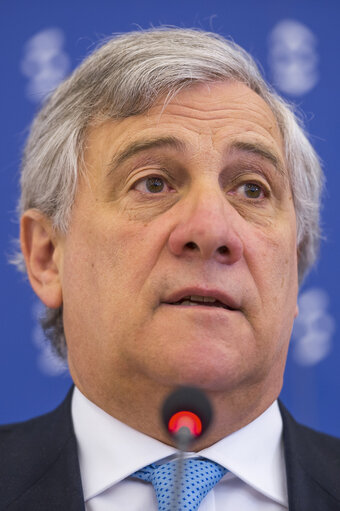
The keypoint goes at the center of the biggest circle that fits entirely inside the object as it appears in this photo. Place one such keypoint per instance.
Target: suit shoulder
(25, 427)
(38, 428)
(308, 435)
(39, 463)
(33, 444)
(318, 437)
(311, 447)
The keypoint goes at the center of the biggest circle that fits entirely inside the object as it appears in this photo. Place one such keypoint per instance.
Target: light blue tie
(199, 477)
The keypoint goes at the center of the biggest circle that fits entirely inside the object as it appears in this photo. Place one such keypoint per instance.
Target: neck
(233, 409)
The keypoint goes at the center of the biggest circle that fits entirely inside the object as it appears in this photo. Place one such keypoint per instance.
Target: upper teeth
(196, 298)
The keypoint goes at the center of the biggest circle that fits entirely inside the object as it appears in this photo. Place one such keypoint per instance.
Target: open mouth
(206, 301)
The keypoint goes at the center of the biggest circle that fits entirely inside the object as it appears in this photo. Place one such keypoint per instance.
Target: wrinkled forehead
(204, 116)
(221, 104)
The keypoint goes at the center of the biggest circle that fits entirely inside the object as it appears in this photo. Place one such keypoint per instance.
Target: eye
(252, 190)
(152, 184)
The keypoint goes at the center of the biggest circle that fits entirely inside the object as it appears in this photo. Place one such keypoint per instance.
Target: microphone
(186, 415)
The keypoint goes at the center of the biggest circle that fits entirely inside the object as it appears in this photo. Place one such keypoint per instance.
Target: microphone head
(187, 410)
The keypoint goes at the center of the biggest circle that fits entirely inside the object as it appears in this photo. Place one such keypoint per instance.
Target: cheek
(272, 262)
(111, 257)
(273, 259)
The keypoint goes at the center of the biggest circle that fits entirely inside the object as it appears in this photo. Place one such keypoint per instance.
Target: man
(169, 209)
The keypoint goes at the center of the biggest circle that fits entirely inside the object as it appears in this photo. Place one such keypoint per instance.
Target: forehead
(221, 105)
(203, 117)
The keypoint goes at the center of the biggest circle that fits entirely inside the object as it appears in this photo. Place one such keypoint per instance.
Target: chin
(203, 372)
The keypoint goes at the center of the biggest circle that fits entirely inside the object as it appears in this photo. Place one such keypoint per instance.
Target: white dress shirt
(110, 451)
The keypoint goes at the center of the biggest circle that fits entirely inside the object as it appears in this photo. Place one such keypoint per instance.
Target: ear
(42, 250)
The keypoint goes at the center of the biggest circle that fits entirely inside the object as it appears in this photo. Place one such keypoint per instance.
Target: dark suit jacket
(39, 469)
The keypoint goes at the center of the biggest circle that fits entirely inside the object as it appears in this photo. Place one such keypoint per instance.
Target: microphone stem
(175, 505)
(183, 439)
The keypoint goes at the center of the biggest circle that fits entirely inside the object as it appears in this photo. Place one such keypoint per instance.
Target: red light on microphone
(185, 419)
(186, 415)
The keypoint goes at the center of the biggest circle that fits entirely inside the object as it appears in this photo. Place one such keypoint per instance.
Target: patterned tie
(199, 477)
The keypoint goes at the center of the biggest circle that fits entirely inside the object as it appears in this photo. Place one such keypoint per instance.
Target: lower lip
(200, 308)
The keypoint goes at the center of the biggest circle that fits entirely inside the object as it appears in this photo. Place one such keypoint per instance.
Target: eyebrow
(140, 146)
(260, 150)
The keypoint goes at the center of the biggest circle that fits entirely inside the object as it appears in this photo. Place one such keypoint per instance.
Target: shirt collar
(109, 450)
(255, 454)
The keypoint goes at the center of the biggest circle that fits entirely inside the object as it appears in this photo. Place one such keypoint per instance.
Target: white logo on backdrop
(45, 63)
(293, 57)
(48, 363)
(313, 328)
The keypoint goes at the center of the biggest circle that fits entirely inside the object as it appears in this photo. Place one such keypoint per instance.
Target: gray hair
(124, 77)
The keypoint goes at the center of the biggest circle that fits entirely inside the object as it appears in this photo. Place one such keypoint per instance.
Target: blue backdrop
(297, 45)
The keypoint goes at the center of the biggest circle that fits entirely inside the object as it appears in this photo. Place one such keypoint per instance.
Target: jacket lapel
(313, 467)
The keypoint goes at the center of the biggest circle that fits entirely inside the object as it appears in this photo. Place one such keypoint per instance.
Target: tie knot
(182, 486)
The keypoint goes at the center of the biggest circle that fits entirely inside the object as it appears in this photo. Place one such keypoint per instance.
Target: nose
(207, 228)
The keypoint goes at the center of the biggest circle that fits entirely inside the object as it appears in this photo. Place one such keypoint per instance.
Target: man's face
(178, 204)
